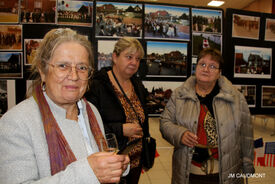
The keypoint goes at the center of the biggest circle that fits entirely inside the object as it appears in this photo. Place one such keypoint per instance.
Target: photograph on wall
(268, 97)
(167, 22)
(104, 51)
(201, 41)
(11, 37)
(3, 97)
(37, 12)
(270, 30)
(118, 19)
(166, 59)
(252, 62)
(207, 21)
(249, 92)
(244, 26)
(7, 95)
(193, 65)
(30, 47)
(9, 11)
(159, 94)
(11, 65)
(75, 13)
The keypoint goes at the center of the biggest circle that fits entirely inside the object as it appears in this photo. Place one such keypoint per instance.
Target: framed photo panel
(159, 94)
(193, 65)
(30, 47)
(252, 62)
(204, 40)
(118, 19)
(75, 13)
(244, 26)
(7, 95)
(268, 97)
(104, 53)
(11, 65)
(206, 20)
(270, 30)
(9, 11)
(249, 92)
(167, 22)
(11, 37)
(166, 59)
(37, 12)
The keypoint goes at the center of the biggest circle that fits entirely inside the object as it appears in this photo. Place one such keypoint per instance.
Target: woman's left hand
(132, 130)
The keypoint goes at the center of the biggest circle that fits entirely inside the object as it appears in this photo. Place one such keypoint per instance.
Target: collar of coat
(227, 90)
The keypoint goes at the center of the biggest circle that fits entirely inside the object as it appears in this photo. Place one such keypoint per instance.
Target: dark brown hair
(214, 54)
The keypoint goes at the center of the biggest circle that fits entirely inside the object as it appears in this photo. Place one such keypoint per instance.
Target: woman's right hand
(132, 130)
(189, 139)
(108, 167)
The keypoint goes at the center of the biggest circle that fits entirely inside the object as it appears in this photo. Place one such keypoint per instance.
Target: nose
(134, 61)
(73, 75)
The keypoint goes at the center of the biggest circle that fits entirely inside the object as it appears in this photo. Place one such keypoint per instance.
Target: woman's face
(127, 63)
(207, 70)
(65, 89)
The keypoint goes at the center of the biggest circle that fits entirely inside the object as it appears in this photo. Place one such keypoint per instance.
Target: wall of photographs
(250, 43)
(172, 37)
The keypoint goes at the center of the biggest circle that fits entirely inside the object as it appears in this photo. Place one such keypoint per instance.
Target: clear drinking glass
(109, 144)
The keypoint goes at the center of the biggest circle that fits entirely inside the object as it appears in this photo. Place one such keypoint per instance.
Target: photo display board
(172, 37)
(249, 57)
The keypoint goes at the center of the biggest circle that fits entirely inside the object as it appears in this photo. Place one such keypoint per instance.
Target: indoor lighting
(215, 3)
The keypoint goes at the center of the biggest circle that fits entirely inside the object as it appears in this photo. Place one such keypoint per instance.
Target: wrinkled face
(207, 70)
(66, 89)
(127, 63)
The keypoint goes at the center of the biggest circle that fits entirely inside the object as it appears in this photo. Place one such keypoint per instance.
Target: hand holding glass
(109, 144)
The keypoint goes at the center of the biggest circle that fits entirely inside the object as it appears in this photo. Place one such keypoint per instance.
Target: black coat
(103, 96)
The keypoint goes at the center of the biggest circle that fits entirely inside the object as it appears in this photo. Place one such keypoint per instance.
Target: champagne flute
(109, 144)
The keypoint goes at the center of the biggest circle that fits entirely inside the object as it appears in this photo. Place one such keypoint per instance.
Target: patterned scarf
(60, 152)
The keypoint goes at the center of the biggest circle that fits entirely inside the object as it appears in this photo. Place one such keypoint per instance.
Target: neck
(123, 80)
(203, 89)
(72, 112)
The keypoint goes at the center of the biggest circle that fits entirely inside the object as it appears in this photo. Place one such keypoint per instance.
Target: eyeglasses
(211, 67)
(62, 70)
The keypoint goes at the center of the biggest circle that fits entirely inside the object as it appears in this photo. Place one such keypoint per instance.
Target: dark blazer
(103, 96)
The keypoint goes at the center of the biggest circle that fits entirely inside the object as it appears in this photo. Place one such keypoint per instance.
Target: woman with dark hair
(208, 122)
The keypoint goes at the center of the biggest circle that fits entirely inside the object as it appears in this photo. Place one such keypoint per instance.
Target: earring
(43, 86)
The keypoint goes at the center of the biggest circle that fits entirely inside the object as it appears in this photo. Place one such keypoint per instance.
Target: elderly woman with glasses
(54, 135)
(208, 122)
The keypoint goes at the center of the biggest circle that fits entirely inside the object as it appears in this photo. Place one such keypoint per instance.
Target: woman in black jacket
(118, 115)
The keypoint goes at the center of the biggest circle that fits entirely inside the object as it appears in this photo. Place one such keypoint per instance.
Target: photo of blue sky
(73, 5)
(206, 13)
(174, 11)
(265, 53)
(123, 6)
(166, 47)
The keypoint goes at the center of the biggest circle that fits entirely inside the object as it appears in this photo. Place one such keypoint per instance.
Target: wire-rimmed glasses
(212, 68)
(62, 70)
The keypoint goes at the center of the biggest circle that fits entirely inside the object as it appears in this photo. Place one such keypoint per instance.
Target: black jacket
(103, 96)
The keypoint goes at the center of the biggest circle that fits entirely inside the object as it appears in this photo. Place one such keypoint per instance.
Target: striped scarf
(60, 152)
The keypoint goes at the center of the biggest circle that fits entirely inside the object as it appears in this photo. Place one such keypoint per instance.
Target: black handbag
(148, 152)
(148, 142)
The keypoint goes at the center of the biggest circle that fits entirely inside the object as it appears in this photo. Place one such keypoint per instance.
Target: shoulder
(22, 110)
(22, 116)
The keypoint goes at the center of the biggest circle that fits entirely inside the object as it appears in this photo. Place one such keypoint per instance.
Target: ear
(114, 56)
(42, 75)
